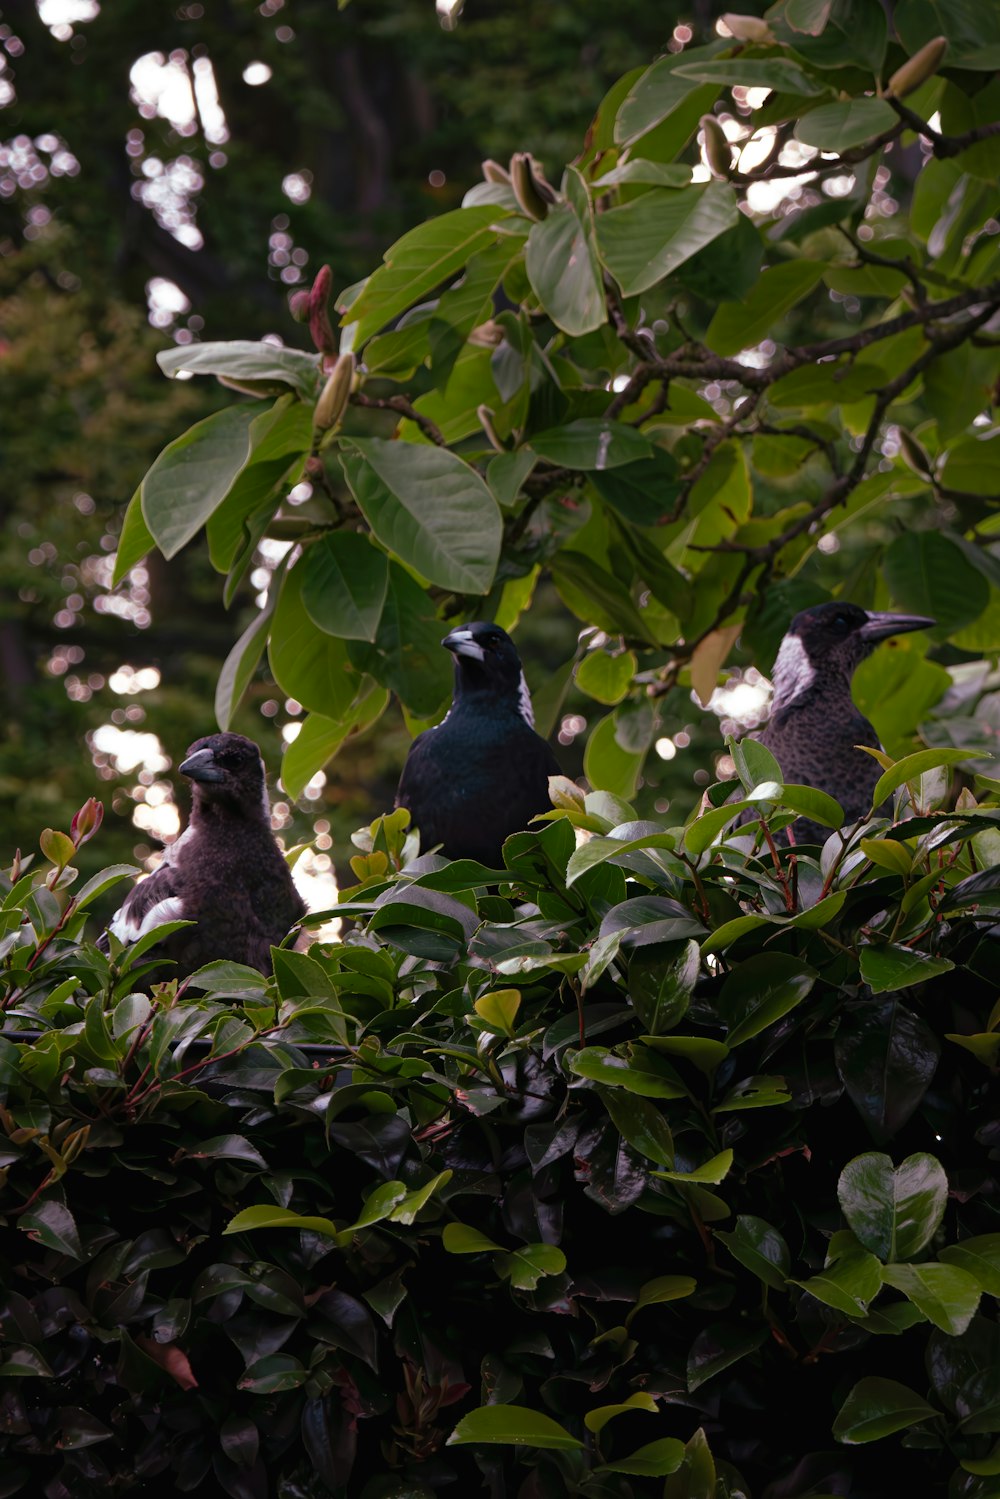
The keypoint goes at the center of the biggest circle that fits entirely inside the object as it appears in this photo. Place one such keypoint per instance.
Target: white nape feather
(793, 671)
(125, 927)
(264, 798)
(172, 850)
(524, 703)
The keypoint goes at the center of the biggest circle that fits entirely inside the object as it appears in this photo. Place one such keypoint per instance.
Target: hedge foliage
(660, 1162)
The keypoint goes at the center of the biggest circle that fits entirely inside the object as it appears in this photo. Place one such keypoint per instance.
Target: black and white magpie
(225, 871)
(814, 725)
(482, 773)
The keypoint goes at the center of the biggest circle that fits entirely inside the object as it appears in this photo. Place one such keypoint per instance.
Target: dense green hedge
(656, 1163)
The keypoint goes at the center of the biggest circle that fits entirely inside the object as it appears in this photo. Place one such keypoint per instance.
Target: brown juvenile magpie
(482, 773)
(225, 871)
(814, 725)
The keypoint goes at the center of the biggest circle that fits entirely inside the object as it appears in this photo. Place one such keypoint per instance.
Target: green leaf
(562, 265)
(419, 262)
(780, 74)
(193, 475)
(928, 574)
(972, 30)
(712, 1172)
(704, 1052)
(414, 1202)
(603, 1066)
(760, 1248)
(606, 765)
(656, 95)
(660, 984)
(809, 801)
(459, 1238)
(525, 1267)
(239, 359)
(894, 1213)
(266, 1215)
(344, 585)
(886, 1057)
(135, 540)
(279, 443)
(598, 850)
(851, 122)
(890, 966)
(407, 654)
(429, 508)
(644, 241)
(240, 665)
(319, 738)
(947, 1295)
(913, 766)
(499, 1009)
(888, 853)
(848, 1285)
(876, 1408)
(741, 325)
(641, 1124)
(596, 1420)
(663, 1288)
(595, 595)
(309, 666)
(606, 678)
(834, 383)
(653, 1460)
(591, 443)
(980, 1257)
(760, 990)
(759, 1092)
(512, 1425)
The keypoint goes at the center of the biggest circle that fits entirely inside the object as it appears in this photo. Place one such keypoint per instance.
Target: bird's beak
(201, 766)
(881, 626)
(461, 643)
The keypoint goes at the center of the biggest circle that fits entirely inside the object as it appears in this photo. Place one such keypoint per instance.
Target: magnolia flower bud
(87, 821)
(531, 190)
(333, 400)
(918, 68)
(494, 172)
(718, 152)
(486, 335)
(320, 327)
(747, 28)
(914, 454)
(298, 305)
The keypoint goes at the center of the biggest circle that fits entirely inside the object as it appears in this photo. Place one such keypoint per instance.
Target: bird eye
(840, 622)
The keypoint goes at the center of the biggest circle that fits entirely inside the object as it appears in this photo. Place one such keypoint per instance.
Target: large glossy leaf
(661, 982)
(912, 767)
(239, 359)
(781, 74)
(973, 31)
(740, 325)
(876, 1408)
(309, 666)
(848, 1284)
(892, 966)
(928, 574)
(419, 262)
(429, 508)
(886, 1056)
(344, 585)
(406, 655)
(651, 1461)
(592, 443)
(980, 1256)
(241, 663)
(947, 1295)
(645, 240)
(655, 95)
(279, 442)
(718, 1346)
(193, 475)
(512, 1425)
(562, 265)
(134, 541)
(760, 1248)
(320, 737)
(849, 122)
(894, 1212)
(760, 990)
(642, 1124)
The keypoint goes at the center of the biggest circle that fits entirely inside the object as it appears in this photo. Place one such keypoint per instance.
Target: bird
(482, 773)
(224, 872)
(814, 724)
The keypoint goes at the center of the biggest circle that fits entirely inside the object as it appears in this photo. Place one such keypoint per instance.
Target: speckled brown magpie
(814, 726)
(482, 773)
(225, 871)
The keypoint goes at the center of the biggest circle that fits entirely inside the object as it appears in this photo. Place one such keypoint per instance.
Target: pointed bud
(298, 305)
(914, 454)
(335, 394)
(718, 152)
(532, 192)
(320, 327)
(918, 68)
(747, 28)
(566, 794)
(487, 335)
(15, 868)
(494, 172)
(87, 821)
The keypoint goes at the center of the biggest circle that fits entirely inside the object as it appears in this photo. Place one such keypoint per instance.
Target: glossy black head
(227, 768)
(486, 661)
(831, 640)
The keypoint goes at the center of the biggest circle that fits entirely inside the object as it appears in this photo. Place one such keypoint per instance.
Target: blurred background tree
(170, 172)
